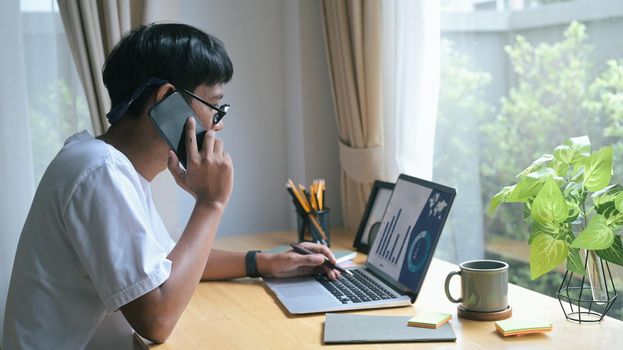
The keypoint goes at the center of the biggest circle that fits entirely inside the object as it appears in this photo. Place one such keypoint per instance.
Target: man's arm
(209, 178)
(224, 265)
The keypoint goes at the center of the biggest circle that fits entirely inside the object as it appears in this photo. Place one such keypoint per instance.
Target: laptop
(396, 265)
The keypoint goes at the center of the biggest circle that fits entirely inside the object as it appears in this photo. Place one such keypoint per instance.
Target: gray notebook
(349, 328)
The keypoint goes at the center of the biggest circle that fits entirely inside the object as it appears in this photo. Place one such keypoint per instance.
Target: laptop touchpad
(301, 290)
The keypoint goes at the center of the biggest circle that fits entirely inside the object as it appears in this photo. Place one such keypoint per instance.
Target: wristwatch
(250, 263)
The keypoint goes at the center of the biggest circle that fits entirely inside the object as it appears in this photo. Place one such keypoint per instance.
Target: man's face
(212, 94)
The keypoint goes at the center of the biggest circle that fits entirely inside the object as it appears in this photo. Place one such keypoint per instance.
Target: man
(94, 257)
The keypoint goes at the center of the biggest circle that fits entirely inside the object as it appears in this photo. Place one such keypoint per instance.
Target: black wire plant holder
(582, 304)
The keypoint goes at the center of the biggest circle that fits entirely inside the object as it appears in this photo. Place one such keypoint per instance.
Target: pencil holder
(303, 223)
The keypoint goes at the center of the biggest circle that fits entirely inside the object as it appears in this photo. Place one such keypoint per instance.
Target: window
(56, 104)
(518, 78)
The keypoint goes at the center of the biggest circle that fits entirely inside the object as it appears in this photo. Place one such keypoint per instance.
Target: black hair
(179, 53)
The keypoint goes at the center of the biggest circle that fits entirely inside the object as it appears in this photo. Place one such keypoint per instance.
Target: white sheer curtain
(411, 37)
(384, 65)
(16, 174)
(42, 103)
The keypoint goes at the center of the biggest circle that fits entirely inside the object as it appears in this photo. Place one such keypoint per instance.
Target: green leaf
(607, 194)
(561, 168)
(604, 203)
(615, 222)
(578, 176)
(608, 211)
(549, 205)
(575, 195)
(618, 202)
(574, 212)
(540, 162)
(614, 254)
(546, 253)
(598, 169)
(548, 229)
(499, 198)
(578, 167)
(564, 153)
(580, 143)
(574, 261)
(576, 190)
(581, 147)
(572, 153)
(530, 185)
(527, 209)
(596, 236)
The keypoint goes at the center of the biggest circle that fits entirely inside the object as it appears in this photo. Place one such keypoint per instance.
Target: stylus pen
(302, 250)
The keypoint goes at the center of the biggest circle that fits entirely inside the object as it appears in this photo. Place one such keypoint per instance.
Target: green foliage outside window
(462, 108)
(559, 91)
(556, 97)
(55, 115)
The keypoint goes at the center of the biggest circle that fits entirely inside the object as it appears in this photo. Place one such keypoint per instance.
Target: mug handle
(447, 287)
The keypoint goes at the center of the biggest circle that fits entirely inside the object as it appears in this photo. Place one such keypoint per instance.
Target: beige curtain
(93, 28)
(353, 39)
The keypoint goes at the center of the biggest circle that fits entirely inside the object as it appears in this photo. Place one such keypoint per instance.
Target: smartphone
(169, 116)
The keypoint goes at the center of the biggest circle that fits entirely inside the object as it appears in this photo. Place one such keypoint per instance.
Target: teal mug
(484, 285)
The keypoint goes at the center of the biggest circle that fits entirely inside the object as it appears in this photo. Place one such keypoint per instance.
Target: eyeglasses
(117, 112)
(221, 110)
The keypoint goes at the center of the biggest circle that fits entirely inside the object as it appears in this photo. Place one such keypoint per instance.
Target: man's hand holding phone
(209, 172)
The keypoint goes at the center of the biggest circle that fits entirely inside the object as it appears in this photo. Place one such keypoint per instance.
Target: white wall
(281, 124)
(310, 117)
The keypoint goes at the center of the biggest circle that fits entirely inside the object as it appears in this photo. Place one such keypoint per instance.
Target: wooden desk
(243, 314)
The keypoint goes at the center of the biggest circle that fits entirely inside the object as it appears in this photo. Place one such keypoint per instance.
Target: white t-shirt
(92, 242)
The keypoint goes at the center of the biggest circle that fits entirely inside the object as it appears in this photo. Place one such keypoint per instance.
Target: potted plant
(572, 207)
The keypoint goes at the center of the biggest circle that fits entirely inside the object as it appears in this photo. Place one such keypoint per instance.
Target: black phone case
(169, 116)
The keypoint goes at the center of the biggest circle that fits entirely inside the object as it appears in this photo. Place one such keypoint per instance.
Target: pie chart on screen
(418, 251)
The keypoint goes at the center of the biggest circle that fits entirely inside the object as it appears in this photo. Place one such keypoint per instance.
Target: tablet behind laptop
(397, 262)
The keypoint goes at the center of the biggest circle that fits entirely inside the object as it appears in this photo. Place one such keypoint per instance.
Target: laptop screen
(409, 231)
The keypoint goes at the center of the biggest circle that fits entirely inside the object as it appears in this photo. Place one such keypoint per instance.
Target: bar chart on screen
(392, 244)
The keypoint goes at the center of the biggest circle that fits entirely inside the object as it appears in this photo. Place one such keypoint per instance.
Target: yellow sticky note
(429, 319)
(521, 327)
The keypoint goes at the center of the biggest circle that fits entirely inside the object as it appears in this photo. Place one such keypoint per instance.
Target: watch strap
(250, 263)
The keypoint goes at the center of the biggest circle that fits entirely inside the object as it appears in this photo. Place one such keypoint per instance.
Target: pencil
(312, 196)
(291, 185)
(302, 250)
(321, 194)
(316, 231)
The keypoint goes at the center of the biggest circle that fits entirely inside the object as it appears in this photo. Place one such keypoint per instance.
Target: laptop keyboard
(358, 288)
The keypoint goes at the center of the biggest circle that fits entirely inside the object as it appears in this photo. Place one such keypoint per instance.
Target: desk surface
(243, 314)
